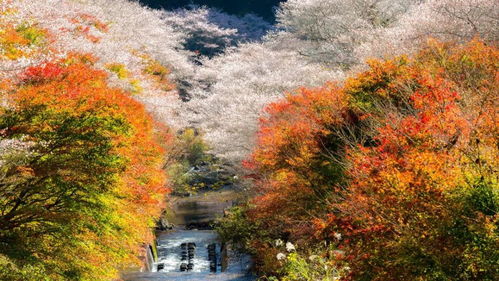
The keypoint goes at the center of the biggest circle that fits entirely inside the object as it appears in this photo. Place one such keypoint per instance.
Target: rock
(163, 224)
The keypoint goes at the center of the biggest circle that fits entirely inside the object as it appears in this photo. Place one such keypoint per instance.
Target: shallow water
(195, 211)
(202, 208)
(169, 251)
(191, 276)
(169, 254)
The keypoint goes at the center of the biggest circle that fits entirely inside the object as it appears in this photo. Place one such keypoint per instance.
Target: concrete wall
(149, 258)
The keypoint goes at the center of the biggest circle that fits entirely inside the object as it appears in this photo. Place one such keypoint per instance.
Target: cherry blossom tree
(328, 30)
(210, 31)
(447, 20)
(234, 88)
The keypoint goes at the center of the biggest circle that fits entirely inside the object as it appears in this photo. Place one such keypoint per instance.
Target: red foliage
(73, 87)
(388, 160)
(48, 71)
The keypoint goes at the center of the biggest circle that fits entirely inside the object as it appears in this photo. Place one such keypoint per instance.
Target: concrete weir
(192, 250)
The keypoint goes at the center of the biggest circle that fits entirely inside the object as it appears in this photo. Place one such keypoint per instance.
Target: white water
(169, 251)
(169, 254)
(192, 211)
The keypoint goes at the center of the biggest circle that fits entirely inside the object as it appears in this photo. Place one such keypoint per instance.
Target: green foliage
(58, 187)
(483, 197)
(60, 182)
(119, 69)
(235, 229)
(80, 178)
(309, 268)
(191, 167)
(33, 34)
(181, 179)
(29, 272)
(75, 156)
(193, 146)
(190, 150)
(473, 226)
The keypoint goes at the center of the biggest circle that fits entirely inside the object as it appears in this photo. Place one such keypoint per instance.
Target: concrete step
(183, 276)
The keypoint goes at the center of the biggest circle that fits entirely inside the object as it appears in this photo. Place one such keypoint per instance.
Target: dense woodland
(365, 133)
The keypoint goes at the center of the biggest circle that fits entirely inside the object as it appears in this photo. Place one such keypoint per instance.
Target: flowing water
(190, 242)
(170, 250)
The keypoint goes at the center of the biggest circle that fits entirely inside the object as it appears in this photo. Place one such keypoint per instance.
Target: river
(193, 251)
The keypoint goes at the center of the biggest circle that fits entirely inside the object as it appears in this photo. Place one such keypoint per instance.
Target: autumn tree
(424, 199)
(78, 199)
(395, 169)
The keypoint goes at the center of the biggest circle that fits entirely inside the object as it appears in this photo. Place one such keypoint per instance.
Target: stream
(192, 250)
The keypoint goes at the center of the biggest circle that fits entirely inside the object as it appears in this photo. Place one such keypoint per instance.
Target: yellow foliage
(119, 69)
(20, 41)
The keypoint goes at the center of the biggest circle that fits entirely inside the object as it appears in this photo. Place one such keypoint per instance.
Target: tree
(394, 169)
(209, 31)
(448, 20)
(423, 199)
(235, 87)
(328, 31)
(82, 177)
(113, 31)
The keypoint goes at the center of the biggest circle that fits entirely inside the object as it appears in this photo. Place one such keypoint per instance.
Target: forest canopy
(363, 133)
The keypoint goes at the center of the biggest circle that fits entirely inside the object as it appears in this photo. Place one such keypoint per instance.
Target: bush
(235, 229)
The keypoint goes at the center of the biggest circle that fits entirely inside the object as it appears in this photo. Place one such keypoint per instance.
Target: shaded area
(201, 210)
(263, 8)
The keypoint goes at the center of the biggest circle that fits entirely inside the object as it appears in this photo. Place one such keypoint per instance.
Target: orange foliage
(292, 170)
(157, 72)
(73, 87)
(401, 161)
(84, 23)
(17, 42)
(108, 230)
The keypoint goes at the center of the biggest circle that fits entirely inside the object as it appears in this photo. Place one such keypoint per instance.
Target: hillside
(338, 140)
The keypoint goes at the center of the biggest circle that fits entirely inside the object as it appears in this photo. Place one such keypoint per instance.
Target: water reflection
(198, 212)
(192, 217)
